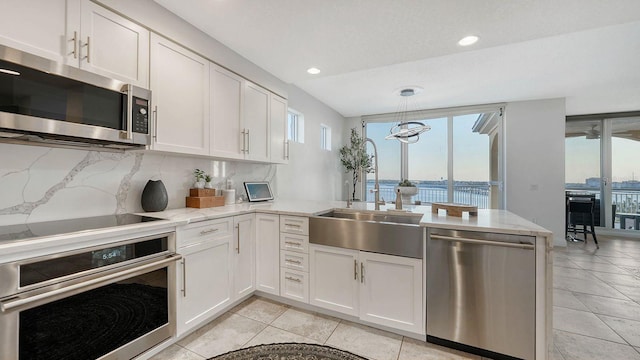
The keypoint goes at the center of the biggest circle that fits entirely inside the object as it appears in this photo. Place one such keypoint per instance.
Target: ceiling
(585, 50)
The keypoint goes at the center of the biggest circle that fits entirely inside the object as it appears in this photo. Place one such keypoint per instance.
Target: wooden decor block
(202, 192)
(454, 209)
(204, 201)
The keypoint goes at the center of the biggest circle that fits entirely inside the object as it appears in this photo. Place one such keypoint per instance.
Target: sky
(582, 159)
(428, 157)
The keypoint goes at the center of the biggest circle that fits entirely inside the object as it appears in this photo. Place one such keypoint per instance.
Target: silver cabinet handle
(209, 231)
(526, 246)
(248, 142)
(355, 269)
(88, 45)
(75, 44)
(362, 272)
(238, 247)
(244, 141)
(184, 277)
(293, 261)
(293, 279)
(292, 243)
(286, 150)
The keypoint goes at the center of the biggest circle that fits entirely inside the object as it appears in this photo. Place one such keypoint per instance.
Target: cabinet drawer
(294, 260)
(204, 231)
(294, 284)
(294, 225)
(299, 243)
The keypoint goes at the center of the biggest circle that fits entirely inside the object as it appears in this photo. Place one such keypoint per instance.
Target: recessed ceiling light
(313, 71)
(10, 72)
(468, 40)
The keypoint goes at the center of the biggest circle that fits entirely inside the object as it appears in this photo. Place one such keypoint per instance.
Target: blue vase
(154, 196)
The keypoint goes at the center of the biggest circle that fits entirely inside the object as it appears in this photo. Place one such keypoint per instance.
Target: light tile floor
(596, 298)
(596, 315)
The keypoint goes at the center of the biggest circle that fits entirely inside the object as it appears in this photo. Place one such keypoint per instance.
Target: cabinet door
(180, 91)
(113, 46)
(38, 27)
(391, 291)
(226, 114)
(244, 256)
(256, 122)
(334, 278)
(203, 282)
(268, 253)
(279, 142)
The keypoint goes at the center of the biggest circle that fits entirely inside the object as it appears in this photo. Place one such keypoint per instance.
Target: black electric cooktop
(58, 227)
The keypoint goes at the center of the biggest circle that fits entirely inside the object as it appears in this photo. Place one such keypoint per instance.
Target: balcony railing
(626, 201)
(477, 195)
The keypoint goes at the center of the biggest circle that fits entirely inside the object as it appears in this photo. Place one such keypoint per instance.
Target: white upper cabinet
(38, 27)
(109, 44)
(279, 142)
(256, 123)
(180, 89)
(78, 33)
(227, 139)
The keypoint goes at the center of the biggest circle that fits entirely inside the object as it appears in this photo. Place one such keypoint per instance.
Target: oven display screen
(109, 256)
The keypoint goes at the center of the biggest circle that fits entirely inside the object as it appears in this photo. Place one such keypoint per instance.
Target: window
(458, 160)
(295, 126)
(325, 137)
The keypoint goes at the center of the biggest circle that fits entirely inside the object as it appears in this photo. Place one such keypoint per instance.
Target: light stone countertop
(500, 221)
(488, 220)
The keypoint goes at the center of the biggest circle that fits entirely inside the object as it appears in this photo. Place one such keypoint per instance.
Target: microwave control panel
(140, 116)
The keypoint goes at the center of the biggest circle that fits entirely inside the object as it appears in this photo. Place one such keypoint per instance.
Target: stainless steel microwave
(49, 102)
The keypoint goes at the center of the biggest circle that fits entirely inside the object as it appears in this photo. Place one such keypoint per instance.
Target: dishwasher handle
(526, 246)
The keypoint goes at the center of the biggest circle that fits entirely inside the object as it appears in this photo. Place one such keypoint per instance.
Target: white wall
(534, 154)
(313, 173)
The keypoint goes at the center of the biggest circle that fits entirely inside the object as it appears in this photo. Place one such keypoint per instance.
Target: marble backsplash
(43, 183)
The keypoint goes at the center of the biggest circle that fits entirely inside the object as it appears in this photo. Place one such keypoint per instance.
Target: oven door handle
(35, 298)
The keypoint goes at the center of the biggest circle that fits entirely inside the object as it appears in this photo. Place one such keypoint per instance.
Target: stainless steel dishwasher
(481, 292)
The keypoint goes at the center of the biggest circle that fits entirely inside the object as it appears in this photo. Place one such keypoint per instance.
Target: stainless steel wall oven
(108, 302)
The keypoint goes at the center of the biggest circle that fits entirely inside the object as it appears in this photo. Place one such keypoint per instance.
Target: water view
(465, 192)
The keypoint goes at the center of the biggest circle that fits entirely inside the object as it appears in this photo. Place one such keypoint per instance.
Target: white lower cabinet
(268, 253)
(204, 277)
(380, 289)
(244, 269)
(218, 267)
(391, 291)
(334, 281)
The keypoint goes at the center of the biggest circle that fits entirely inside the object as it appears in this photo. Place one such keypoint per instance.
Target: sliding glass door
(457, 160)
(601, 158)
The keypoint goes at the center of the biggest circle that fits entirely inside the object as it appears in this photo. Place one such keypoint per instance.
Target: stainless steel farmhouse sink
(375, 231)
(409, 218)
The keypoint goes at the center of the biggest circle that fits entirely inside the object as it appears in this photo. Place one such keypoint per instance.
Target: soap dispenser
(398, 200)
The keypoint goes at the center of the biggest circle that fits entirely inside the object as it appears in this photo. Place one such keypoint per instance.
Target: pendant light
(404, 129)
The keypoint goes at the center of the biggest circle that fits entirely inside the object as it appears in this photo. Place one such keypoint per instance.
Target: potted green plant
(355, 159)
(200, 182)
(407, 191)
(207, 180)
